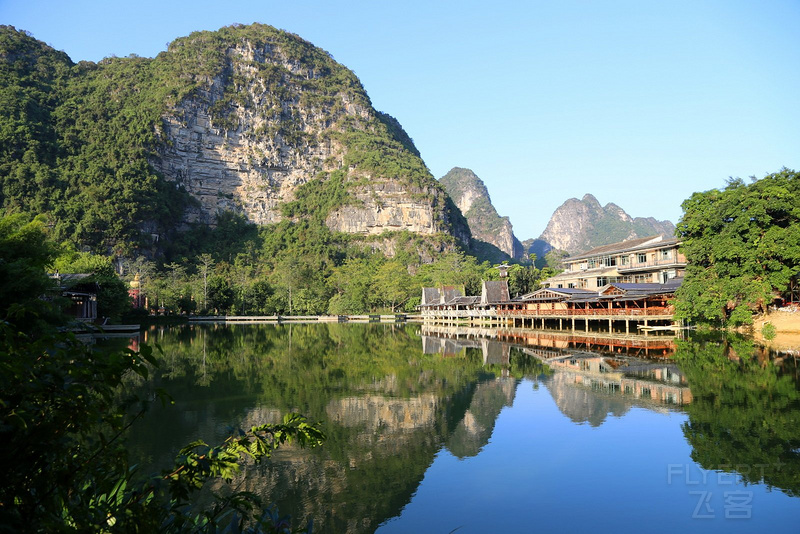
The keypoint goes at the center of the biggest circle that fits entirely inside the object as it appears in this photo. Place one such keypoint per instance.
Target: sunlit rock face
(580, 225)
(472, 198)
(270, 122)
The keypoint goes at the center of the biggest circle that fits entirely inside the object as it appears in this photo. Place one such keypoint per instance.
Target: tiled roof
(566, 292)
(430, 295)
(495, 291)
(462, 301)
(451, 292)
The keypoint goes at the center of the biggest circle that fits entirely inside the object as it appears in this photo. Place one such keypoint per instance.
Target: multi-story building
(648, 260)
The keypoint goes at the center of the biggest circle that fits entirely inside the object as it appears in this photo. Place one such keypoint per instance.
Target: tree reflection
(745, 416)
(386, 407)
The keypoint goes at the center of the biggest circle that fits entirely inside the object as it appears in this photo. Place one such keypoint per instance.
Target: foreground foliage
(742, 245)
(64, 411)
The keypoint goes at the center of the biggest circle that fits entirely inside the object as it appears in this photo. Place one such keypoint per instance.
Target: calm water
(429, 432)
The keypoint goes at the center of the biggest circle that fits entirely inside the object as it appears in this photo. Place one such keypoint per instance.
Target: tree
(220, 294)
(351, 282)
(205, 264)
(742, 247)
(25, 253)
(392, 285)
(523, 279)
(242, 271)
(261, 297)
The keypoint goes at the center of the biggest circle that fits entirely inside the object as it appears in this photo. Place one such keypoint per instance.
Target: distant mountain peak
(580, 225)
(489, 230)
(589, 198)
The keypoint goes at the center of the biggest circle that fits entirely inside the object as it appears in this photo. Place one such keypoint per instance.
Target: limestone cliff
(247, 119)
(580, 225)
(472, 198)
(275, 113)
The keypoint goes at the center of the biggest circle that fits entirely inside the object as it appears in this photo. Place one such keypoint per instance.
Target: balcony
(650, 265)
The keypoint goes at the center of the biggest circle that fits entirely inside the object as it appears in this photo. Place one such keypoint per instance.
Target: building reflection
(586, 385)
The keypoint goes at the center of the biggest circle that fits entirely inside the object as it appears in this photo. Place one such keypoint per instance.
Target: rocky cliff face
(580, 225)
(472, 198)
(277, 113)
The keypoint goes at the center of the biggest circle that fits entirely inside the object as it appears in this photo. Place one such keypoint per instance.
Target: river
(436, 430)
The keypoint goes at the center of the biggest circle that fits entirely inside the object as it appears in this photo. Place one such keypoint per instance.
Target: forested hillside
(125, 154)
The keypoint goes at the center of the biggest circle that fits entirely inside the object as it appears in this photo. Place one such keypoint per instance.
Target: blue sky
(638, 102)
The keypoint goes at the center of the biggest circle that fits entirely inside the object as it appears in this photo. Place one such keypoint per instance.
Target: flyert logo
(708, 487)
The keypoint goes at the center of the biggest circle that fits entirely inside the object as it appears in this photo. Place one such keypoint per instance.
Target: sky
(639, 102)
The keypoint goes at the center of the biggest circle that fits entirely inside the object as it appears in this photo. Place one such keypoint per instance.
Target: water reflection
(745, 417)
(586, 386)
(394, 397)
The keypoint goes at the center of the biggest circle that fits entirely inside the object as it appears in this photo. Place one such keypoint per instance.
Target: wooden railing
(591, 312)
(624, 312)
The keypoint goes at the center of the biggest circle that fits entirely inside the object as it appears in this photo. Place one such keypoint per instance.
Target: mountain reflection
(391, 397)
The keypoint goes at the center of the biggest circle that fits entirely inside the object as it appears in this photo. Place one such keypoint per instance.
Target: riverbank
(786, 322)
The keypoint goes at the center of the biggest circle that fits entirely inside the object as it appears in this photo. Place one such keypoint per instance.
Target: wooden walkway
(276, 319)
(572, 320)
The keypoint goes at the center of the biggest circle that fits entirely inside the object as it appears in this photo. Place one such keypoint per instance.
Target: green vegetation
(742, 245)
(768, 331)
(78, 139)
(81, 138)
(300, 268)
(64, 407)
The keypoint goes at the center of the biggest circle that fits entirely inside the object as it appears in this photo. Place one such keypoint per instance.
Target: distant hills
(580, 225)
(576, 226)
(492, 235)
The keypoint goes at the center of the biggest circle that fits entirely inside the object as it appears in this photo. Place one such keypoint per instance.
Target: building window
(609, 261)
(571, 285)
(665, 254)
(667, 275)
(641, 257)
(623, 260)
